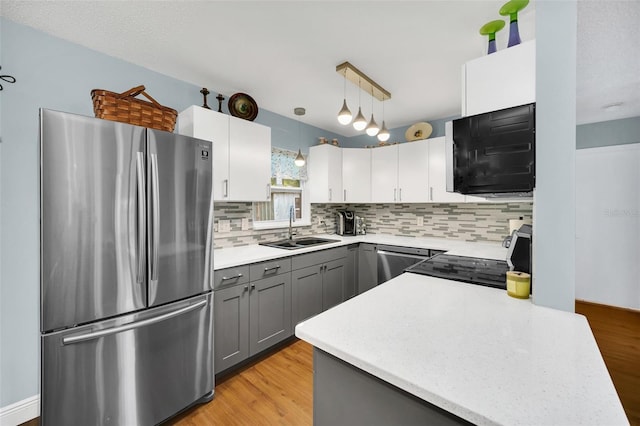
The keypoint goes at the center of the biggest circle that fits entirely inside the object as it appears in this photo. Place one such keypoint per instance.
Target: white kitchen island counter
(472, 351)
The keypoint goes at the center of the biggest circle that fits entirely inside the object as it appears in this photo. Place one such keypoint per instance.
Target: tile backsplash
(468, 222)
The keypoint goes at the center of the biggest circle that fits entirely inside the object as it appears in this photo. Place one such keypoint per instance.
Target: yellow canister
(518, 284)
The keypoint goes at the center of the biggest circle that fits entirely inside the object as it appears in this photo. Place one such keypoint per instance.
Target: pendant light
(383, 134)
(345, 116)
(359, 123)
(299, 160)
(372, 128)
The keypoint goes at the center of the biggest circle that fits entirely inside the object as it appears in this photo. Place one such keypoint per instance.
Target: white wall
(554, 198)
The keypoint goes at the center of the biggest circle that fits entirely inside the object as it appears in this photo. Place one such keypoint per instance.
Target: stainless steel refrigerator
(126, 258)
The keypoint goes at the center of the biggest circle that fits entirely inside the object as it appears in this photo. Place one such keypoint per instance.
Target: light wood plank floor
(275, 390)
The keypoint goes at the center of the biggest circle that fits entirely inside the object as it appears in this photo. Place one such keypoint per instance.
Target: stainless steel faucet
(292, 218)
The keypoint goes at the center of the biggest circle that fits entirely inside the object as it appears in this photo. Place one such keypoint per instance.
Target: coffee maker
(346, 222)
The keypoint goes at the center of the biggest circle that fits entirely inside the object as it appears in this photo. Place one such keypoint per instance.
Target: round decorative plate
(243, 106)
(418, 131)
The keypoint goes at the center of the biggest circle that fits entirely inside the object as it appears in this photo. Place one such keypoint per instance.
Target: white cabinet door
(325, 174)
(384, 174)
(501, 80)
(249, 161)
(413, 172)
(356, 175)
(209, 125)
(437, 174)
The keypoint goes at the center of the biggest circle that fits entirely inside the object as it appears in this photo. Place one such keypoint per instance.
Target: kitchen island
(466, 352)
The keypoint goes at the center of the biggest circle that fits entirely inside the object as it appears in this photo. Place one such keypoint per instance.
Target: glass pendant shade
(299, 161)
(344, 116)
(383, 134)
(359, 123)
(372, 127)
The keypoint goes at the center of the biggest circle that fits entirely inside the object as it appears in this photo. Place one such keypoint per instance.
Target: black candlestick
(205, 92)
(220, 98)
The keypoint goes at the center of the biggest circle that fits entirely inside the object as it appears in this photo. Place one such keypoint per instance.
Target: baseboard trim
(20, 412)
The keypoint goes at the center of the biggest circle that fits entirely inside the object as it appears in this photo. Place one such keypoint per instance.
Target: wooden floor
(617, 332)
(275, 390)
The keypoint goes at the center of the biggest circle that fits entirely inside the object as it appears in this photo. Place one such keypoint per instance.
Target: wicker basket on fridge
(124, 107)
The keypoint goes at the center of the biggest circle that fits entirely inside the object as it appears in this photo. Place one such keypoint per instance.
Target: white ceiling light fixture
(344, 115)
(359, 123)
(372, 128)
(354, 75)
(299, 160)
(383, 134)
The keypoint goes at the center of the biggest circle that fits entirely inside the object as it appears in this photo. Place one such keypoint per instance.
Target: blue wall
(614, 132)
(56, 74)
(397, 134)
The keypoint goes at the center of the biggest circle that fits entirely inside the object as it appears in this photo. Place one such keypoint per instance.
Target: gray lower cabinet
(250, 317)
(231, 326)
(351, 272)
(269, 312)
(318, 282)
(367, 267)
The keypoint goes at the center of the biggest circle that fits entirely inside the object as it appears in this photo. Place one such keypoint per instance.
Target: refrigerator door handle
(133, 325)
(142, 216)
(155, 237)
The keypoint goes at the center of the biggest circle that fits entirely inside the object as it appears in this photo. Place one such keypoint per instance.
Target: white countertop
(242, 255)
(473, 351)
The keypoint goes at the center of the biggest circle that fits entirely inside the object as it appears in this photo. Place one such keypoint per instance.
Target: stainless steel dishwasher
(393, 260)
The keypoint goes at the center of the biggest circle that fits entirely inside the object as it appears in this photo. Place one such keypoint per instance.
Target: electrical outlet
(224, 226)
(419, 221)
(245, 223)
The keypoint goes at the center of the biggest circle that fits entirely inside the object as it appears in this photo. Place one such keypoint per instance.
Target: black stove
(487, 272)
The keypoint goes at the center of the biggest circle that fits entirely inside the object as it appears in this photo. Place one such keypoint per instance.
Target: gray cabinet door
(306, 291)
(269, 312)
(367, 267)
(231, 326)
(351, 273)
(333, 279)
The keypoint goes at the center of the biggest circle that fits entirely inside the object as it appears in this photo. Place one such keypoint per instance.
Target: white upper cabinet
(325, 174)
(241, 153)
(501, 80)
(384, 174)
(437, 174)
(249, 161)
(413, 171)
(356, 175)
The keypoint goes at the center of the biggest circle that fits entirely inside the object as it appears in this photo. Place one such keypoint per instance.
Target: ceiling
(284, 53)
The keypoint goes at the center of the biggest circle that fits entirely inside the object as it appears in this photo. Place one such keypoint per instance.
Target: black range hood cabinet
(492, 154)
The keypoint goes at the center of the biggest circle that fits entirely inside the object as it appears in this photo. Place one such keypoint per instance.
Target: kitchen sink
(298, 243)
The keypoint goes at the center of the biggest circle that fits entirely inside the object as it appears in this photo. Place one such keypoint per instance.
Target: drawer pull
(235, 277)
(273, 268)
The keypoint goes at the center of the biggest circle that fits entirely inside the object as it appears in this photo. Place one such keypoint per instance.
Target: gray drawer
(318, 257)
(269, 268)
(230, 276)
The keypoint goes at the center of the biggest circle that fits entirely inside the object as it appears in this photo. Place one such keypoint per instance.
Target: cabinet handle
(400, 194)
(345, 195)
(225, 188)
(329, 194)
(268, 191)
(273, 268)
(253, 286)
(235, 277)
(431, 193)
(246, 288)
(394, 193)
